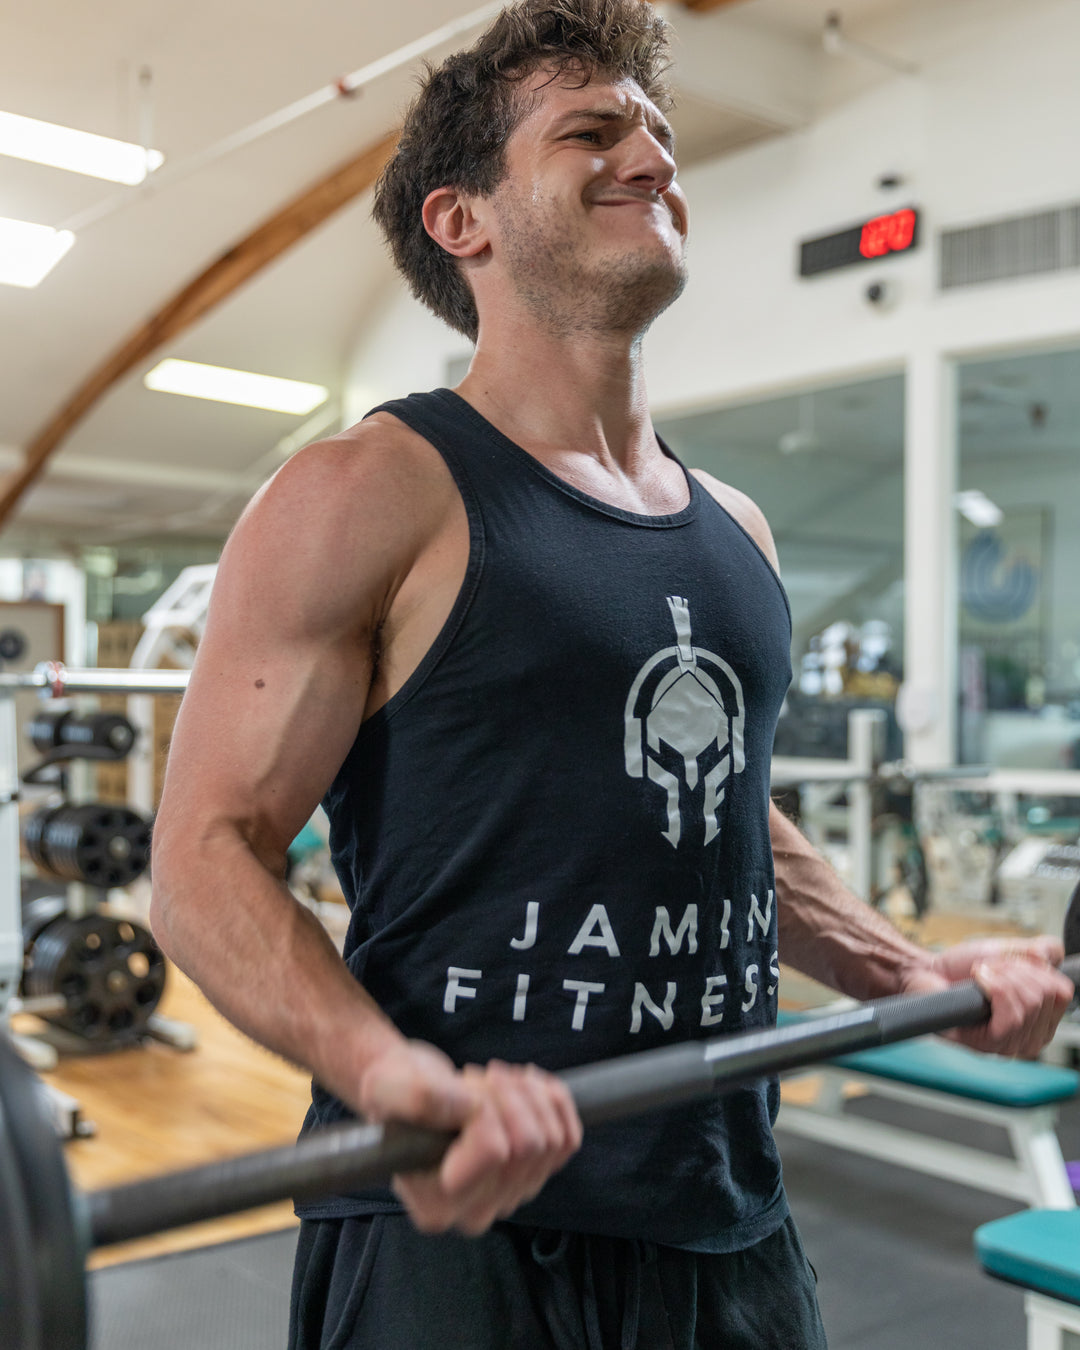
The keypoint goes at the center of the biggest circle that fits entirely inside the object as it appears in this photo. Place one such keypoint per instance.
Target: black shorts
(375, 1283)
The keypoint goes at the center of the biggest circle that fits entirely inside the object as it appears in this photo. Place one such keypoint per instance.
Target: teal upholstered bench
(1039, 1250)
(1021, 1098)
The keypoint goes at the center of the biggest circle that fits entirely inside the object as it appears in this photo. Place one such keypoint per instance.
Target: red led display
(888, 234)
(866, 242)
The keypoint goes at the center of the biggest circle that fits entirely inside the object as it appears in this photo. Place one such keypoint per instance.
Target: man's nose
(646, 160)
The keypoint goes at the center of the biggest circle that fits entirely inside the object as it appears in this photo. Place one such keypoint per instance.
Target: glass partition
(826, 467)
(123, 581)
(1018, 537)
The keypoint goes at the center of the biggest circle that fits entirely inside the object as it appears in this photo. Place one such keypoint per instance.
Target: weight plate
(98, 844)
(107, 846)
(110, 971)
(48, 1281)
(20, 1305)
(12, 644)
(38, 914)
(46, 728)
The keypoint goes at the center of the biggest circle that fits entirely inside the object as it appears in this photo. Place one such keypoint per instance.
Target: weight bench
(1020, 1097)
(1038, 1250)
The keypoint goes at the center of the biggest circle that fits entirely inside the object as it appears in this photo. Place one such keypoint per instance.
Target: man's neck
(581, 394)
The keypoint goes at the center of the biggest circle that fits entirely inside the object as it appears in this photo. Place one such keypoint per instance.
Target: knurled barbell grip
(350, 1157)
(340, 1158)
(960, 1005)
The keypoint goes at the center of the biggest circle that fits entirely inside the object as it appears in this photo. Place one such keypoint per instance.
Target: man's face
(588, 224)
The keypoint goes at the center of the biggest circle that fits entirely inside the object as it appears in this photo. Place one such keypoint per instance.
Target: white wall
(986, 127)
(403, 348)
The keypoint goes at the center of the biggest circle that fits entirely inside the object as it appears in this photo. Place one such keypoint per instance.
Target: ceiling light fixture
(976, 507)
(76, 151)
(28, 253)
(221, 385)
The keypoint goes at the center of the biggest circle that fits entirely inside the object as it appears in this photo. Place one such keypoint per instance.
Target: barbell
(48, 1227)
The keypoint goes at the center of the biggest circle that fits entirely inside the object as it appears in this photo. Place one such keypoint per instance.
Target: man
(534, 668)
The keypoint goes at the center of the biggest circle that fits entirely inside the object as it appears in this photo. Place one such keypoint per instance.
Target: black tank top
(554, 838)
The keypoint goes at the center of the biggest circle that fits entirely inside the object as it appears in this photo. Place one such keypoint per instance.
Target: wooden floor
(157, 1109)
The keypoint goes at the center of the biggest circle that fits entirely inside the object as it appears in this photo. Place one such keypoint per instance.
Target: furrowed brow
(658, 127)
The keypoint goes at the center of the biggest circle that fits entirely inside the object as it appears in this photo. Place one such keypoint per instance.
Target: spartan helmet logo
(684, 727)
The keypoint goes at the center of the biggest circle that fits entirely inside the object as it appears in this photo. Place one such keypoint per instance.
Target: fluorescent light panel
(77, 151)
(28, 253)
(234, 386)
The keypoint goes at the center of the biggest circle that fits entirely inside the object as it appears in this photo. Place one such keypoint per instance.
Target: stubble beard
(619, 295)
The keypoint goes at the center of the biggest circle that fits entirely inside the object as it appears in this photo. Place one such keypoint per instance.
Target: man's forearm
(826, 931)
(267, 964)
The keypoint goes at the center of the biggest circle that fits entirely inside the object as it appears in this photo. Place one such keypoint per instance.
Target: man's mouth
(629, 201)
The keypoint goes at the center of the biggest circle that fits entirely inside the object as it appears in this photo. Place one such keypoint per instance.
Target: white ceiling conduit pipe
(837, 43)
(347, 86)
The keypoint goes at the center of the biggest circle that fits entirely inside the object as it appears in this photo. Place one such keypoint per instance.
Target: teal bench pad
(1037, 1248)
(934, 1064)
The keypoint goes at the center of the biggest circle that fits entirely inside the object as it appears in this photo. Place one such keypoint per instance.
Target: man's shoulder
(742, 509)
(378, 465)
(381, 443)
(362, 504)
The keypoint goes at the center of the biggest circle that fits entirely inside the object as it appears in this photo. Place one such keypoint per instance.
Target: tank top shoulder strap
(448, 423)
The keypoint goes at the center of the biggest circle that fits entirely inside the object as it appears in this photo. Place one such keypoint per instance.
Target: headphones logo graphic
(684, 721)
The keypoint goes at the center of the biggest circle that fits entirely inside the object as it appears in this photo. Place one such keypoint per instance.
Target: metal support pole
(11, 939)
(865, 728)
(926, 703)
(140, 763)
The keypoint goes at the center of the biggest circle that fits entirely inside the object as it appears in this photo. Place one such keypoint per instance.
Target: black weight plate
(33, 831)
(110, 972)
(45, 728)
(38, 913)
(53, 1280)
(99, 844)
(12, 644)
(20, 1307)
(111, 847)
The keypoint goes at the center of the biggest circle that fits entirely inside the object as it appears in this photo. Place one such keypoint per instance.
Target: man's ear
(452, 222)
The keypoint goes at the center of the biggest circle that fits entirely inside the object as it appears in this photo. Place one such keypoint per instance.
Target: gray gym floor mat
(893, 1248)
(234, 1296)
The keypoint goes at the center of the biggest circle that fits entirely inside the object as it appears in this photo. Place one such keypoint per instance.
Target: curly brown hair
(456, 130)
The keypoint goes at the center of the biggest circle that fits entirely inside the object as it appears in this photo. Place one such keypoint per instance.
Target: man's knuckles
(521, 1126)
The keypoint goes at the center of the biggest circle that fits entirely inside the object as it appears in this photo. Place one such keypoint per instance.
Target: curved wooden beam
(237, 265)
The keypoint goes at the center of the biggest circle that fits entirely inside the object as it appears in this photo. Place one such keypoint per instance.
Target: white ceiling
(145, 464)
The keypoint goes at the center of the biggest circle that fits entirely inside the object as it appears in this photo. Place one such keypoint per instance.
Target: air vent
(1019, 246)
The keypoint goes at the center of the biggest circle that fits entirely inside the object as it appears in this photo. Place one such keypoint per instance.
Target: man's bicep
(257, 744)
(280, 681)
